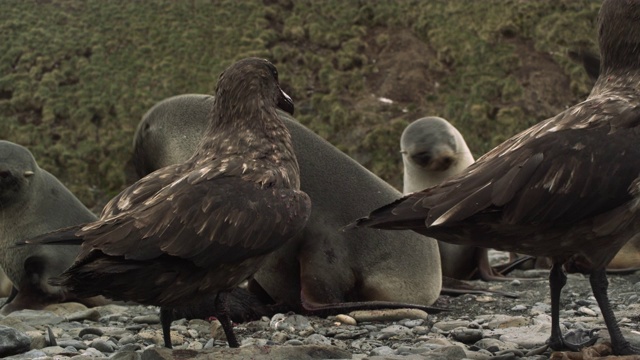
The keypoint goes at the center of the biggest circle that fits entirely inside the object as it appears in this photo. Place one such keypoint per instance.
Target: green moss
(76, 77)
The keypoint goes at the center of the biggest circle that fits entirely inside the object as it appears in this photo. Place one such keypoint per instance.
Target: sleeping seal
(432, 151)
(32, 202)
(322, 265)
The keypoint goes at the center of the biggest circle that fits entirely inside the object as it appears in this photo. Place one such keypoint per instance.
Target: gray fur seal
(567, 186)
(432, 151)
(322, 265)
(32, 202)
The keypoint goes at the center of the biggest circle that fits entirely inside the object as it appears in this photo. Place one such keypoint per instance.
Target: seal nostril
(5, 174)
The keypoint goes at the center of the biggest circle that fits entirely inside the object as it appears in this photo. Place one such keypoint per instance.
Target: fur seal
(200, 228)
(32, 202)
(568, 185)
(322, 264)
(432, 151)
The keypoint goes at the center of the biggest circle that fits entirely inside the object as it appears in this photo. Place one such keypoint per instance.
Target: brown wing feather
(209, 222)
(562, 170)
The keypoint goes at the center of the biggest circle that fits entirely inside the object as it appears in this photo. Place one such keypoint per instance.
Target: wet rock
(102, 346)
(89, 314)
(450, 325)
(304, 352)
(91, 331)
(36, 317)
(80, 345)
(317, 339)
(494, 345)
(346, 319)
(126, 355)
(146, 319)
(64, 309)
(466, 335)
(388, 315)
(13, 341)
(53, 350)
(393, 331)
(37, 339)
(31, 354)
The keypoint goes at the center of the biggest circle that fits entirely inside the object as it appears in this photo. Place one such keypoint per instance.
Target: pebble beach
(476, 326)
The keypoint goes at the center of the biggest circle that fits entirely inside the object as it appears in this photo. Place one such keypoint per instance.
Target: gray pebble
(494, 345)
(146, 319)
(89, 314)
(351, 334)
(53, 350)
(127, 339)
(31, 354)
(102, 346)
(13, 341)
(132, 347)
(129, 355)
(80, 345)
(279, 337)
(519, 307)
(388, 315)
(411, 323)
(70, 351)
(420, 330)
(465, 335)
(317, 339)
(91, 331)
(392, 332)
(36, 317)
(382, 350)
(93, 353)
(450, 325)
(278, 323)
(294, 342)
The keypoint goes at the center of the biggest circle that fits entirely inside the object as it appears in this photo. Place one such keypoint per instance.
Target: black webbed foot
(574, 340)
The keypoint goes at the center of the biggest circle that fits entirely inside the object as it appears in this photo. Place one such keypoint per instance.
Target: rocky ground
(476, 327)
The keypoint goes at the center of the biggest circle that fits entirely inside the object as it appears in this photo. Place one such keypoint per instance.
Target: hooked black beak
(285, 103)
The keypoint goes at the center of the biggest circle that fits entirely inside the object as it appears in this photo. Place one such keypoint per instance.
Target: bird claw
(571, 340)
(627, 349)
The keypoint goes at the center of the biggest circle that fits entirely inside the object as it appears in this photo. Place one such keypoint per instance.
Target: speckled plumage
(191, 230)
(568, 185)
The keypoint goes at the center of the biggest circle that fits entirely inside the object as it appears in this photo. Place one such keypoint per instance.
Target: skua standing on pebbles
(192, 230)
(322, 268)
(568, 185)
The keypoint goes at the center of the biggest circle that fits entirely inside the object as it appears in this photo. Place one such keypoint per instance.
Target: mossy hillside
(76, 77)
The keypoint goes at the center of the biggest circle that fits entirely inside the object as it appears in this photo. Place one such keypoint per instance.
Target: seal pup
(322, 266)
(33, 202)
(432, 151)
(200, 228)
(568, 185)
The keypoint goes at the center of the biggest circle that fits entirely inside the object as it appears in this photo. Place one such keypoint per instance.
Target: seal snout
(431, 162)
(7, 178)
